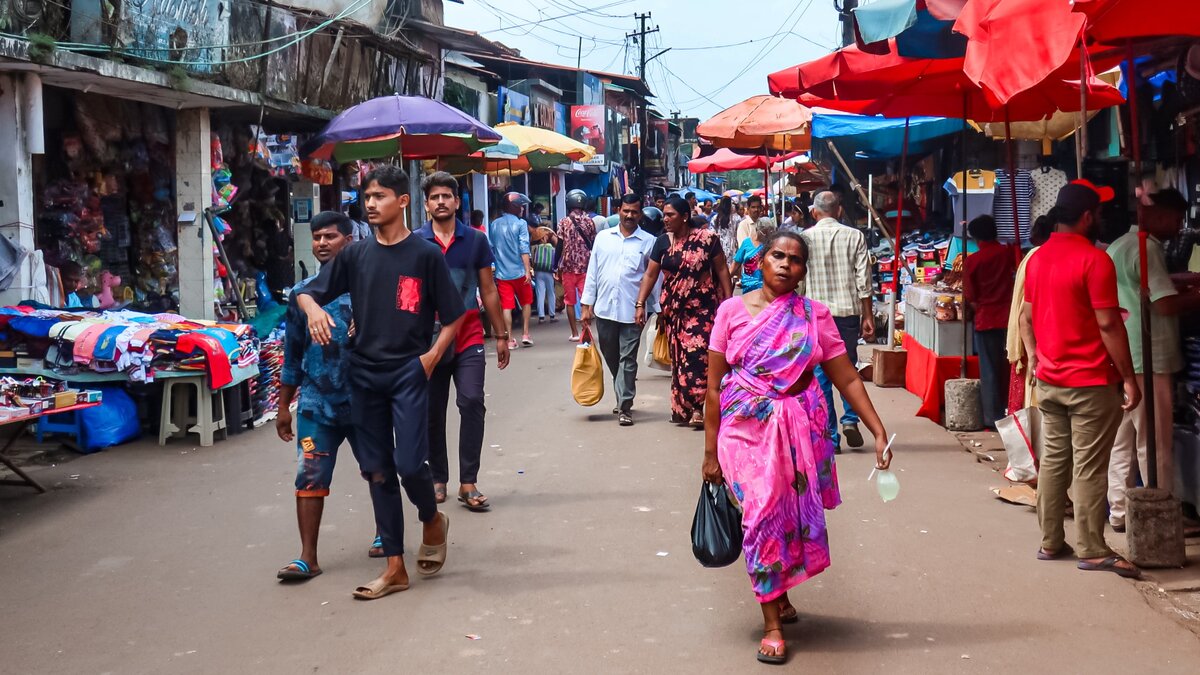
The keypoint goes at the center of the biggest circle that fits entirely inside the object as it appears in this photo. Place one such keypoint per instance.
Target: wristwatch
(640, 305)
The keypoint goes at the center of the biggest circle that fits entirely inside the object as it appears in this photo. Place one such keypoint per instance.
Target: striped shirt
(839, 270)
(1002, 205)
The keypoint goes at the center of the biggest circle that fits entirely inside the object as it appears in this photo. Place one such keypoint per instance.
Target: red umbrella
(1115, 21)
(728, 160)
(1013, 45)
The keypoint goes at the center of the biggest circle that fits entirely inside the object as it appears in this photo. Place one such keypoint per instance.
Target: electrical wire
(527, 22)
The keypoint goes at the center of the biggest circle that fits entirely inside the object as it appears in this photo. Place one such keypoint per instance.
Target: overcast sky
(700, 76)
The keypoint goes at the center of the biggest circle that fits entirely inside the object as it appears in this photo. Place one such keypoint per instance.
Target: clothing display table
(926, 374)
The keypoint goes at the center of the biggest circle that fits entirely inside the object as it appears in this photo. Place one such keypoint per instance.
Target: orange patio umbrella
(761, 122)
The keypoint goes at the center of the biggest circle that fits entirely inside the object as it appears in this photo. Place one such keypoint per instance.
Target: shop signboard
(587, 126)
(514, 106)
(591, 89)
(562, 116)
(542, 114)
(195, 31)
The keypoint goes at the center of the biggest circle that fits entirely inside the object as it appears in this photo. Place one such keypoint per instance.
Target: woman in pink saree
(767, 435)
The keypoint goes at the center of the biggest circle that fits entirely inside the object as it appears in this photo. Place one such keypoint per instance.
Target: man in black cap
(1079, 352)
(509, 235)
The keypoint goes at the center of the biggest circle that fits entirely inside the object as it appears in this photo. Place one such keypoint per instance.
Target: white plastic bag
(1021, 433)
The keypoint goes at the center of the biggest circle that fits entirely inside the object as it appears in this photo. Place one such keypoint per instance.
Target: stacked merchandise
(135, 344)
(265, 388)
(37, 395)
(104, 201)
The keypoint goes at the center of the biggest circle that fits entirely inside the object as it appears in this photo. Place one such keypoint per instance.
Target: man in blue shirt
(618, 262)
(324, 403)
(509, 235)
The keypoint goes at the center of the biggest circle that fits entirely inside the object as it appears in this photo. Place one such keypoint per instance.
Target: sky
(718, 56)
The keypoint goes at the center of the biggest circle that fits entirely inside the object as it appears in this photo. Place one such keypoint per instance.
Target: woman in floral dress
(695, 281)
(767, 436)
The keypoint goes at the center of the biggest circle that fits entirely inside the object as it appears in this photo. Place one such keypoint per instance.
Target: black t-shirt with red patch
(397, 292)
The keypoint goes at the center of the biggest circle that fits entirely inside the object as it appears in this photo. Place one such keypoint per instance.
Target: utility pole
(846, 16)
(640, 177)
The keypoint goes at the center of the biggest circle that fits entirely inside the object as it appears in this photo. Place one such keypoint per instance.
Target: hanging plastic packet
(886, 483)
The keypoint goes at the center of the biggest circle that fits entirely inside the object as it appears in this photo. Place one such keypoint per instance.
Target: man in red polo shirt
(987, 288)
(1071, 324)
(469, 258)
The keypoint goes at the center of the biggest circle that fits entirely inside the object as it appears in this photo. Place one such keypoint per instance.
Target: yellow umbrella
(532, 140)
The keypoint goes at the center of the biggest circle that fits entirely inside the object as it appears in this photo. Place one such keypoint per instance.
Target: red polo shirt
(988, 284)
(1066, 281)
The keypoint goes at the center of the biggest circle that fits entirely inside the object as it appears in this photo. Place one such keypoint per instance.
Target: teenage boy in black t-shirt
(399, 286)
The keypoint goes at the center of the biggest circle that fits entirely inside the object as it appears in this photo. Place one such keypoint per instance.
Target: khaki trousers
(1078, 428)
(1131, 440)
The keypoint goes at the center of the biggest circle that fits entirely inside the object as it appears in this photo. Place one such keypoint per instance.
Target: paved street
(160, 560)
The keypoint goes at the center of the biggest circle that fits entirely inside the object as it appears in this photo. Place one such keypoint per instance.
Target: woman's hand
(711, 469)
(882, 462)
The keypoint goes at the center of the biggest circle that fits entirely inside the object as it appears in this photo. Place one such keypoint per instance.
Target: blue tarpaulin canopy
(701, 194)
(882, 137)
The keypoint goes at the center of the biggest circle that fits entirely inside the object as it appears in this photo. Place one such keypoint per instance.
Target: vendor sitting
(72, 281)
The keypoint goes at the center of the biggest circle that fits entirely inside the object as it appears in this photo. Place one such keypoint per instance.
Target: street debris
(472, 636)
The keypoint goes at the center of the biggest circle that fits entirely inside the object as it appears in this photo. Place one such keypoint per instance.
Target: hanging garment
(1002, 206)
(977, 190)
(216, 358)
(1046, 184)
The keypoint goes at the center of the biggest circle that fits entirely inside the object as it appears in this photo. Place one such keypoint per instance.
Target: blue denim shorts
(316, 450)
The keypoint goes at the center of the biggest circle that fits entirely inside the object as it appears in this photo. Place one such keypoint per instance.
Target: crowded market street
(161, 560)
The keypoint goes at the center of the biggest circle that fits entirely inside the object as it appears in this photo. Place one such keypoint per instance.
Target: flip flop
(432, 558)
(376, 550)
(302, 572)
(439, 493)
(1065, 552)
(774, 645)
(377, 589)
(1109, 564)
(481, 504)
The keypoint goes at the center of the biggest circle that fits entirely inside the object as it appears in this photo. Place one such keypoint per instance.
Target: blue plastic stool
(68, 423)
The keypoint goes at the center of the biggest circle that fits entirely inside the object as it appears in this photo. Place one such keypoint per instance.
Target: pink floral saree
(774, 448)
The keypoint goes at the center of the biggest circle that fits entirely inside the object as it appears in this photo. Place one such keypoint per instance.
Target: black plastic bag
(716, 528)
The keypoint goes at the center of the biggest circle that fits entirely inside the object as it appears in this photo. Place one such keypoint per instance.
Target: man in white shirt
(754, 211)
(840, 278)
(615, 270)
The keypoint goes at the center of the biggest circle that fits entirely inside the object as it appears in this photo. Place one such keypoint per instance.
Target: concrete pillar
(479, 189)
(193, 193)
(16, 181)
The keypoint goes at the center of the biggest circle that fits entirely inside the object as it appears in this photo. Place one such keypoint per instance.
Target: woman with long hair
(766, 436)
(695, 281)
(726, 227)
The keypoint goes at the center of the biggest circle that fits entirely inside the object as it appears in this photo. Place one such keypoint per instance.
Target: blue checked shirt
(321, 373)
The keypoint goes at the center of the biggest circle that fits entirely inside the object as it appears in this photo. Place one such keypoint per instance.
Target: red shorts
(572, 287)
(513, 291)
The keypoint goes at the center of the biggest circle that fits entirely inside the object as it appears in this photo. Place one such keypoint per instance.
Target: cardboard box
(889, 365)
(66, 399)
(89, 396)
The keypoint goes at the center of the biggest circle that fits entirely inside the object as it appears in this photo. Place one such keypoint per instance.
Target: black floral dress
(689, 307)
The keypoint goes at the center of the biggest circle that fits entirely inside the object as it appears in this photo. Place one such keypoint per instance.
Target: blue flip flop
(376, 550)
(302, 571)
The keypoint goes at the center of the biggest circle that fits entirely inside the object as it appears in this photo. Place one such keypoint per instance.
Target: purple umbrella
(410, 126)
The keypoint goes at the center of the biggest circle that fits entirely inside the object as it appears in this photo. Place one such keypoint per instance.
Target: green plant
(41, 47)
(179, 78)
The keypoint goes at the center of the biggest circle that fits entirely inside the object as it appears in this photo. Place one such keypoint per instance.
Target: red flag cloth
(1114, 21)
(1013, 45)
(728, 160)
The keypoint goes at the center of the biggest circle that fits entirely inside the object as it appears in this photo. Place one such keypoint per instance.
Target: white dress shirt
(615, 273)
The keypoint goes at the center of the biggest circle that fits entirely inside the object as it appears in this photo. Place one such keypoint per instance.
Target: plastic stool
(176, 421)
(68, 423)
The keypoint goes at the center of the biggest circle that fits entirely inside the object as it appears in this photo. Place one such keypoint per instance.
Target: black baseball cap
(1170, 198)
(1076, 198)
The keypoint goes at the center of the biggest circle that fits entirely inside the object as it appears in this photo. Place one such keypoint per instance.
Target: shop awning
(882, 137)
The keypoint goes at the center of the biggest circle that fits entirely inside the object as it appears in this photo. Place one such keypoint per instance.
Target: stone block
(1154, 535)
(964, 407)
